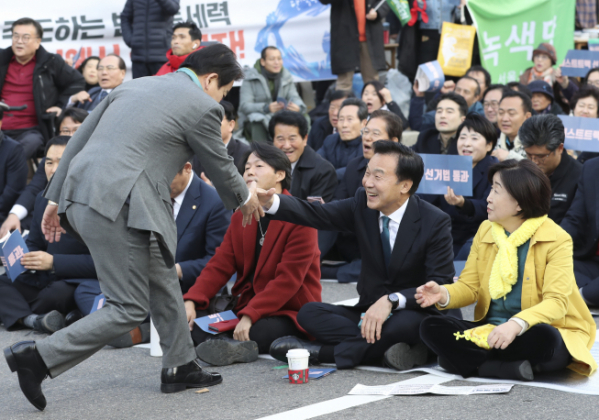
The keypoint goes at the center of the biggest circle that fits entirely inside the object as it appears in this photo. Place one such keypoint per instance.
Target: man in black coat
(356, 40)
(13, 172)
(237, 149)
(147, 29)
(542, 137)
(29, 75)
(37, 299)
(327, 125)
(404, 242)
(582, 223)
(451, 112)
(311, 175)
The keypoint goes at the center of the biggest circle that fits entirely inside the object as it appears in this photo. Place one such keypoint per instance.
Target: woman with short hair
(529, 315)
(585, 104)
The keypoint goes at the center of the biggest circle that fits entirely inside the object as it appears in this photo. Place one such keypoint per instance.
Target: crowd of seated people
(342, 186)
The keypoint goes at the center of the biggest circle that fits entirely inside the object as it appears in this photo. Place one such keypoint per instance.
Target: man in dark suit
(111, 74)
(237, 149)
(13, 172)
(450, 112)
(404, 242)
(327, 125)
(38, 299)
(582, 223)
(311, 175)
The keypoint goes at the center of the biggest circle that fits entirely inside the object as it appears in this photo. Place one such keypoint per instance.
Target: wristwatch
(392, 297)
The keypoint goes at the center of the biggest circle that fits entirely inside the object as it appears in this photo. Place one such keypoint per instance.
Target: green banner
(509, 31)
(402, 9)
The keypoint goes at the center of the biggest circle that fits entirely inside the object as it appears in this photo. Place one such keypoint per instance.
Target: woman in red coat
(278, 271)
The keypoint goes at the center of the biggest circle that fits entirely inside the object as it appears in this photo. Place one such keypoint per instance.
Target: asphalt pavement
(125, 384)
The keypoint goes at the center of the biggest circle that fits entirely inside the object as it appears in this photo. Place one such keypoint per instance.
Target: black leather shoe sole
(226, 352)
(178, 387)
(51, 322)
(39, 403)
(401, 356)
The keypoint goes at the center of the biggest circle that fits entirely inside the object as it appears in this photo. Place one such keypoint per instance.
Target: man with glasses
(542, 137)
(111, 73)
(491, 100)
(29, 75)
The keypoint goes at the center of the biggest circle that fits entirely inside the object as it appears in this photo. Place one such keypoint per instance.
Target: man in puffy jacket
(185, 40)
(146, 27)
(267, 88)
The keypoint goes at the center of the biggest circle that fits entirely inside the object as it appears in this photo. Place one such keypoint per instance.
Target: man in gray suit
(112, 191)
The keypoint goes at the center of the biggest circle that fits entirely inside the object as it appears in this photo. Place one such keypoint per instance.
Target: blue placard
(578, 62)
(441, 171)
(434, 73)
(204, 321)
(99, 302)
(459, 267)
(13, 250)
(581, 133)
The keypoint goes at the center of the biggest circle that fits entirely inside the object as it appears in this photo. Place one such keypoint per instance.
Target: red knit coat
(287, 274)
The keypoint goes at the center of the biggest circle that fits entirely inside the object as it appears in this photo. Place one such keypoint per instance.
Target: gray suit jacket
(132, 146)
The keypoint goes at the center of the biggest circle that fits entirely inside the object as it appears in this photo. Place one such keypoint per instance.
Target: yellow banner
(455, 49)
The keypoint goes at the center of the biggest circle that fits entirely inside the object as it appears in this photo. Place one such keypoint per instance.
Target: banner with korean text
(300, 29)
(442, 171)
(509, 31)
(578, 62)
(581, 133)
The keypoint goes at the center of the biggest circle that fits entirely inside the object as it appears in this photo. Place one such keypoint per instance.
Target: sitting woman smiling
(477, 138)
(278, 271)
(529, 315)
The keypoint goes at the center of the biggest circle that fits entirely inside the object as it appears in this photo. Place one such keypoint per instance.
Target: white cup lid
(298, 353)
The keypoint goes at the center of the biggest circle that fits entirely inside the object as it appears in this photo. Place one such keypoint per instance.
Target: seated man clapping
(278, 271)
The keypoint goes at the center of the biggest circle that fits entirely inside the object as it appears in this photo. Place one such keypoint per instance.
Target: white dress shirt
(72, 103)
(394, 223)
(179, 199)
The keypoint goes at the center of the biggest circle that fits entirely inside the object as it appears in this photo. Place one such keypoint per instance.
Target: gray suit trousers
(134, 278)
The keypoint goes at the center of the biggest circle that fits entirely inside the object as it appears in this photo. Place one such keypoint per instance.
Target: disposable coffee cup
(298, 365)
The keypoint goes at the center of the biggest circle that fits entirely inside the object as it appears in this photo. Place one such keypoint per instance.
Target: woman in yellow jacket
(529, 315)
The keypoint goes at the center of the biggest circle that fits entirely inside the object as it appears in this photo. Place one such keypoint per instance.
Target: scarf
(546, 76)
(504, 273)
(273, 80)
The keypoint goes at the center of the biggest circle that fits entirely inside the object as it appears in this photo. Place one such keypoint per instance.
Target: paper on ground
(419, 389)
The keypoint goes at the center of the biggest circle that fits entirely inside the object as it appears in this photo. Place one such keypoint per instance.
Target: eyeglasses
(24, 38)
(367, 132)
(491, 104)
(68, 131)
(538, 158)
(593, 83)
(107, 68)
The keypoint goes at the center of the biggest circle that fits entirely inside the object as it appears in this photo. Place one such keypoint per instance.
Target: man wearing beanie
(543, 99)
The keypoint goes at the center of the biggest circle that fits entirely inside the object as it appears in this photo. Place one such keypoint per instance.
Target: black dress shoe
(190, 375)
(279, 348)
(225, 351)
(24, 359)
(72, 317)
(401, 356)
(49, 323)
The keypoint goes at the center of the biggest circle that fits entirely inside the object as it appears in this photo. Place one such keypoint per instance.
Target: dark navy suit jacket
(582, 219)
(71, 258)
(202, 222)
(313, 176)
(13, 173)
(352, 180)
(94, 94)
(29, 194)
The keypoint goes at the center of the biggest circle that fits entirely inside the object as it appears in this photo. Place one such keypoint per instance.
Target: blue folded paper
(12, 251)
(204, 321)
(317, 373)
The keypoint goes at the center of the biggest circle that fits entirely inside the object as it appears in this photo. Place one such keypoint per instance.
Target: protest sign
(401, 8)
(578, 62)
(509, 31)
(12, 251)
(593, 44)
(441, 171)
(205, 321)
(99, 302)
(455, 49)
(430, 76)
(581, 133)
(300, 29)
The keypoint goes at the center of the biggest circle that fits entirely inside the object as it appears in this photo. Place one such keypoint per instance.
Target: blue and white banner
(442, 171)
(581, 133)
(578, 62)
(430, 76)
(299, 28)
